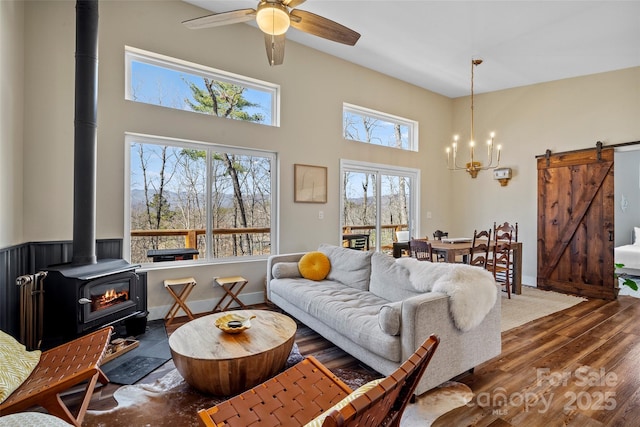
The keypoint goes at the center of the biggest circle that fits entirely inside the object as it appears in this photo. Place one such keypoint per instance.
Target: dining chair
(420, 250)
(508, 228)
(501, 264)
(359, 244)
(439, 234)
(479, 254)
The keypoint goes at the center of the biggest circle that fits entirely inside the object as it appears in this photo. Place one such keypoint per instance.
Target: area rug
(438, 401)
(171, 402)
(533, 304)
(134, 369)
(152, 352)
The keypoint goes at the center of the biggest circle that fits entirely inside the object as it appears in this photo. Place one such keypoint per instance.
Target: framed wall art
(310, 184)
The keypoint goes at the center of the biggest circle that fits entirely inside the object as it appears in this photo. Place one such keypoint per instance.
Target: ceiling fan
(274, 18)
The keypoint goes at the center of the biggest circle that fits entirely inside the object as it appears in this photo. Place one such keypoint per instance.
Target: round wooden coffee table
(224, 364)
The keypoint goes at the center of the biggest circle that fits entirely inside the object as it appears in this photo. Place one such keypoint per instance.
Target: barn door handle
(610, 235)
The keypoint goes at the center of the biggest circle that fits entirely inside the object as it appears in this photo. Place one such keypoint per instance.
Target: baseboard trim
(205, 306)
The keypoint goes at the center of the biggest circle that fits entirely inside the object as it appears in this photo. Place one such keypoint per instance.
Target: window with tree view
(378, 201)
(216, 200)
(374, 127)
(169, 82)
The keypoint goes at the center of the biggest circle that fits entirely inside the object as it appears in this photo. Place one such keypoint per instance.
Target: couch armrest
(423, 315)
(274, 259)
(458, 351)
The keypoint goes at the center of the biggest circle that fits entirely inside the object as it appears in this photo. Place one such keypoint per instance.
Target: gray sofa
(368, 307)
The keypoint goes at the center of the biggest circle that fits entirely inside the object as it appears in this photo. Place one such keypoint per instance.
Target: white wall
(563, 115)
(11, 121)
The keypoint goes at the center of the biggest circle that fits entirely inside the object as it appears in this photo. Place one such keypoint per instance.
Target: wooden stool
(187, 284)
(229, 285)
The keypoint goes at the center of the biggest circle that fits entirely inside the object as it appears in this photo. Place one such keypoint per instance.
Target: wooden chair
(479, 255)
(513, 230)
(359, 244)
(501, 264)
(58, 370)
(308, 389)
(507, 228)
(439, 234)
(420, 250)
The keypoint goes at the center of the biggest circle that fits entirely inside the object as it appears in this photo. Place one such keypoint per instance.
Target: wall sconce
(503, 175)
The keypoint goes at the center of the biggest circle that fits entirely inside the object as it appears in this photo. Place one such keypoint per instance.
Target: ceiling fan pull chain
(273, 50)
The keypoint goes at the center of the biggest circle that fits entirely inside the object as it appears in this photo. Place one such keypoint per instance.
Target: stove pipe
(85, 133)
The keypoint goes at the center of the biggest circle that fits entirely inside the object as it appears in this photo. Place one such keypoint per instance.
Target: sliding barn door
(576, 222)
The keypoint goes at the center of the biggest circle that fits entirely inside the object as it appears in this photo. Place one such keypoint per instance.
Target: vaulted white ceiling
(431, 43)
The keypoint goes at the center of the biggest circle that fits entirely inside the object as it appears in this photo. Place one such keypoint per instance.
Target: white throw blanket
(472, 290)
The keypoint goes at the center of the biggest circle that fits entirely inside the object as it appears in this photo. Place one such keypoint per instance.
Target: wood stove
(82, 298)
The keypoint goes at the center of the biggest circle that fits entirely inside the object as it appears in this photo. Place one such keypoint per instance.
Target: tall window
(378, 200)
(169, 82)
(184, 195)
(374, 127)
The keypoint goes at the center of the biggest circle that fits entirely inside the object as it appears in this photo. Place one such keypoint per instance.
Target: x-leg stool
(232, 286)
(187, 286)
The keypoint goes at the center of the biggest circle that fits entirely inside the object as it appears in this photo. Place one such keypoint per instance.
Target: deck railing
(191, 235)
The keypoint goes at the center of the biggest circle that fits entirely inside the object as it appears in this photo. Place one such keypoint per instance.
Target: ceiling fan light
(273, 18)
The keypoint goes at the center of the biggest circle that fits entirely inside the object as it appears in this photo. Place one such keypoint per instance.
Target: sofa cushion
(32, 419)
(314, 265)
(348, 266)
(319, 420)
(389, 318)
(16, 364)
(283, 270)
(351, 312)
(390, 280)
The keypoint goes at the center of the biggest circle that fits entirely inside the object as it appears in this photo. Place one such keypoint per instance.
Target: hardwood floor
(578, 367)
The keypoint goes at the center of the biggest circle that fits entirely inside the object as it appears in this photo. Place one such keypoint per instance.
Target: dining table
(451, 251)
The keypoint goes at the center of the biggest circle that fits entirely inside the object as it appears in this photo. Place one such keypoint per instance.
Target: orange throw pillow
(314, 266)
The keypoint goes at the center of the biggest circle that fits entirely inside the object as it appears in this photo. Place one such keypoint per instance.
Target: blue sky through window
(152, 84)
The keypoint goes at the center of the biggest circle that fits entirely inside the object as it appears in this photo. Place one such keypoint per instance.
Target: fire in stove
(82, 298)
(108, 299)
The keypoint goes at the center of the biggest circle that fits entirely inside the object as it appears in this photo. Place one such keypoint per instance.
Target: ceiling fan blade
(323, 27)
(218, 19)
(275, 48)
(293, 3)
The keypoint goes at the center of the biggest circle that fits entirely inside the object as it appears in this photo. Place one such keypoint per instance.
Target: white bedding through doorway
(629, 255)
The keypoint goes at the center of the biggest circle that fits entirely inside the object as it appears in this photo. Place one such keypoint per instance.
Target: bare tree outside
(171, 186)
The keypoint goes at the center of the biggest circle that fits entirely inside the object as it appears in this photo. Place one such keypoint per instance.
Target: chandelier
(473, 166)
